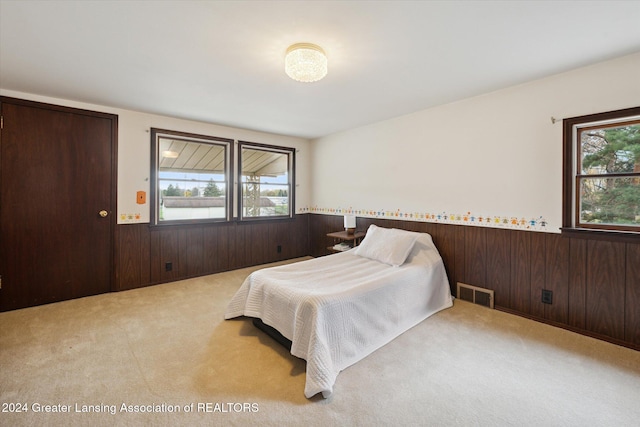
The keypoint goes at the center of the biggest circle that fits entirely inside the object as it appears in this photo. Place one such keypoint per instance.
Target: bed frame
(273, 333)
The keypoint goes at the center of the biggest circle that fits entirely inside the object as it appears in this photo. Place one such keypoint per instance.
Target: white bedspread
(338, 309)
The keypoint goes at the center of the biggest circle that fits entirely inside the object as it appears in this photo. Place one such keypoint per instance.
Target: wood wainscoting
(149, 255)
(595, 283)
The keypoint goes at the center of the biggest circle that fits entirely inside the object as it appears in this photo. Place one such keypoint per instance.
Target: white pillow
(388, 245)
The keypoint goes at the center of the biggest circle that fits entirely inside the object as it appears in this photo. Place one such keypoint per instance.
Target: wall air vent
(476, 295)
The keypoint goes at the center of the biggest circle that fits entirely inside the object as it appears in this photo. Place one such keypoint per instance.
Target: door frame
(113, 118)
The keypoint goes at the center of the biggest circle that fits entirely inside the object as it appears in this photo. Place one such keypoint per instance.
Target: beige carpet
(167, 347)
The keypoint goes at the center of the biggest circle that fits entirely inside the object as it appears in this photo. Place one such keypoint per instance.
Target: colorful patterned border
(130, 217)
(468, 218)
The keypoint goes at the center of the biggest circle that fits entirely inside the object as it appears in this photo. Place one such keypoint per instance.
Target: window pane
(265, 183)
(191, 180)
(614, 201)
(610, 149)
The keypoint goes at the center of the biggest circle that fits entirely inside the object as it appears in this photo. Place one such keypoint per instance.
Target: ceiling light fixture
(305, 62)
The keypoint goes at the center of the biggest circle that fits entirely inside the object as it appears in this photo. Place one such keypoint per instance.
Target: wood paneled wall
(595, 283)
(143, 252)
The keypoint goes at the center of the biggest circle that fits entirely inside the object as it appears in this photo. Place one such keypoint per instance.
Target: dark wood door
(57, 170)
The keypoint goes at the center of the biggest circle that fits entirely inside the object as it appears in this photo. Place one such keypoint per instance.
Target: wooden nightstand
(352, 240)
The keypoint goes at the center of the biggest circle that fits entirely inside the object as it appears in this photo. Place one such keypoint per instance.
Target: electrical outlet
(168, 266)
(547, 296)
(279, 249)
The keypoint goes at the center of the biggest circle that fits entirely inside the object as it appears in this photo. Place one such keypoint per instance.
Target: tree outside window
(610, 175)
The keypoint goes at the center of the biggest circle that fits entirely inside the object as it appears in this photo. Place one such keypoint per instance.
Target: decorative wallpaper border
(126, 218)
(468, 218)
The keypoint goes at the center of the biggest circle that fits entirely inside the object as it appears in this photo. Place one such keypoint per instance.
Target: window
(266, 183)
(601, 188)
(190, 178)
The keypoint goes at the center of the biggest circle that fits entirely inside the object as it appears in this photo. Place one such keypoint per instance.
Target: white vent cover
(476, 295)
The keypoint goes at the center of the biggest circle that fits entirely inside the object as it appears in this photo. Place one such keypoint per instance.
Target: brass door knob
(103, 213)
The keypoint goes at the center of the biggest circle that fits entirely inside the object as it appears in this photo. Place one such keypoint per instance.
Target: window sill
(189, 223)
(612, 236)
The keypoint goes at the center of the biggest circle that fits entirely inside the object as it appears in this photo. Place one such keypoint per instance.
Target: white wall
(497, 156)
(134, 151)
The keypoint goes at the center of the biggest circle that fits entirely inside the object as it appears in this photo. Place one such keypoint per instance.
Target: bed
(340, 308)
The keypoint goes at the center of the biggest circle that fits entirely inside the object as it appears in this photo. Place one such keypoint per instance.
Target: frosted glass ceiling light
(305, 62)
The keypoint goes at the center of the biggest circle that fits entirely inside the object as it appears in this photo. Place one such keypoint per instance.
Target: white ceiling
(222, 61)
